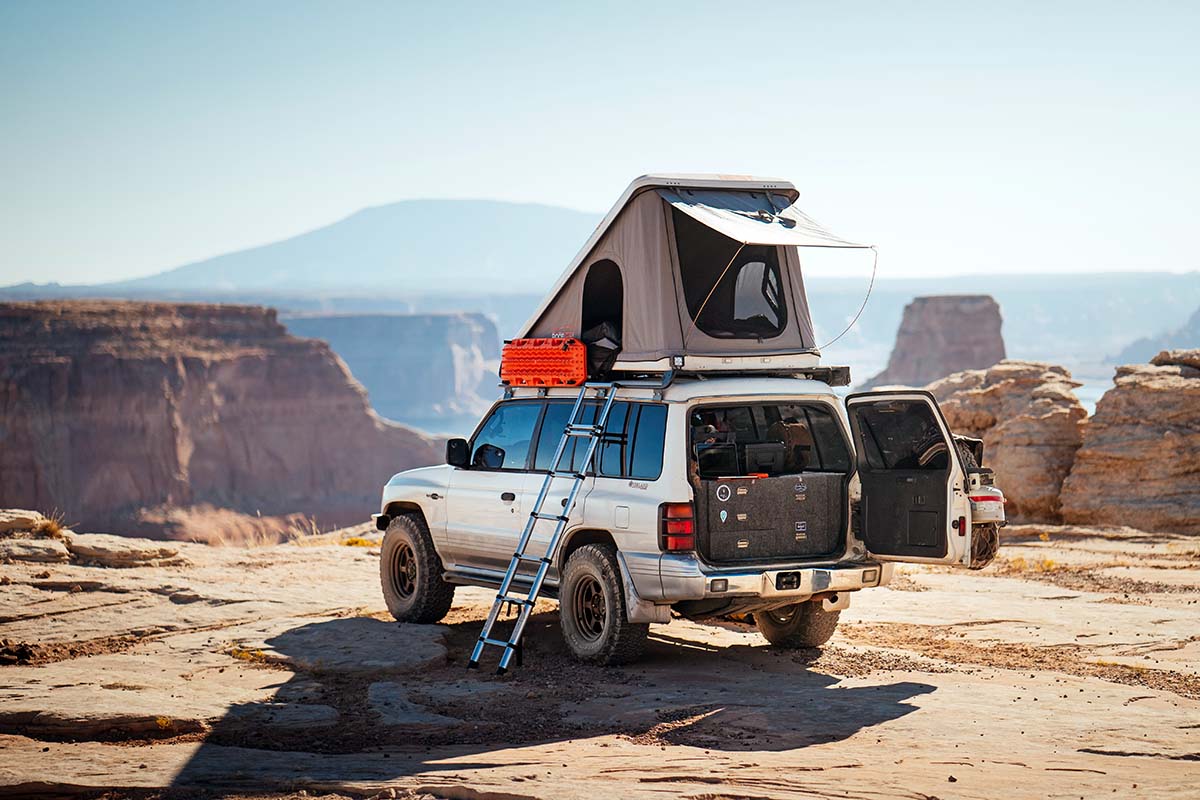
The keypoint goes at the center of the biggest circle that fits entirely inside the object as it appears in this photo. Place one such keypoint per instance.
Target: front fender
(422, 489)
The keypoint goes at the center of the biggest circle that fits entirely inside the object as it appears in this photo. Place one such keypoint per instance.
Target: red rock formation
(941, 335)
(1031, 424)
(148, 417)
(1140, 460)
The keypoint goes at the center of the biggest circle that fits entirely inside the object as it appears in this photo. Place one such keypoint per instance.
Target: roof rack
(658, 382)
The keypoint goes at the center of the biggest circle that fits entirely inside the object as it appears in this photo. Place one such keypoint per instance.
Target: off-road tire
(592, 574)
(411, 572)
(985, 543)
(805, 624)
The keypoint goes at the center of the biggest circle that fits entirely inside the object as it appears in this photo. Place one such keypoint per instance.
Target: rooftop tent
(702, 267)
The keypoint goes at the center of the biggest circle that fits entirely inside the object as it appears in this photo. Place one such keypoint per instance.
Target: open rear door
(914, 507)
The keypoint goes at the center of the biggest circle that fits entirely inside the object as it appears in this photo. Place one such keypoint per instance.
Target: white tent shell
(697, 271)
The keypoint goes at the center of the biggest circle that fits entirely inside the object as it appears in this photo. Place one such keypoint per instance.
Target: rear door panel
(914, 507)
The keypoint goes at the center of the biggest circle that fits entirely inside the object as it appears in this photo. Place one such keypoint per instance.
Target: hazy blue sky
(959, 137)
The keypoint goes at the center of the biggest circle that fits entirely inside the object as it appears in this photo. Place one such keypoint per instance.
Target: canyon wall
(1140, 460)
(940, 335)
(435, 371)
(1031, 424)
(179, 420)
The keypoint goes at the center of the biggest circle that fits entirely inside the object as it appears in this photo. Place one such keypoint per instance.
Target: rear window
(632, 446)
(767, 438)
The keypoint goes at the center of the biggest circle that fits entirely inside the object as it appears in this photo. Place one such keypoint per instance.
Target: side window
(615, 445)
(553, 425)
(649, 429)
(829, 446)
(503, 441)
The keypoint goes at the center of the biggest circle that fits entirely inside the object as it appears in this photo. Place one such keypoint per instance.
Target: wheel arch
(581, 538)
(398, 508)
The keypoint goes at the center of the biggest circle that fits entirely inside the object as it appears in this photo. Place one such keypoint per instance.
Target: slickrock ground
(1031, 424)
(940, 335)
(182, 420)
(1140, 459)
(1068, 669)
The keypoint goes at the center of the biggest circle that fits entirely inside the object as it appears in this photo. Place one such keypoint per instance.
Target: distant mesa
(434, 371)
(411, 247)
(940, 335)
(186, 421)
(1184, 337)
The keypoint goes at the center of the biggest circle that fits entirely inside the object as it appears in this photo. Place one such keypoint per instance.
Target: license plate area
(786, 581)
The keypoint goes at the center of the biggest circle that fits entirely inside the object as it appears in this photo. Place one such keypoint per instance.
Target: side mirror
(458, 453)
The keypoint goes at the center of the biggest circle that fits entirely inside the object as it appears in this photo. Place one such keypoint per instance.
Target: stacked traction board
(544, 362)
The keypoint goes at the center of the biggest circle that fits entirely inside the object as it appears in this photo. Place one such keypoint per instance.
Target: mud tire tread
(624, 641)
(433, 596)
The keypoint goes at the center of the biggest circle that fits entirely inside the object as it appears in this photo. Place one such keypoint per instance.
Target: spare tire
(805, 624)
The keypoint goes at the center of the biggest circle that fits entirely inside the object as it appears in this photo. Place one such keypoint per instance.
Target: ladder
(523, 602)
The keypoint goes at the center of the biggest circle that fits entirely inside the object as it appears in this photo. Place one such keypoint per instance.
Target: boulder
(1031, 424)
(106, 550)
(50, 551)
(940, 335)
(18, 519)
(1140, 460)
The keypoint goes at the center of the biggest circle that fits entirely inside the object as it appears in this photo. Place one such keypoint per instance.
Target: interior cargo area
(770, 480)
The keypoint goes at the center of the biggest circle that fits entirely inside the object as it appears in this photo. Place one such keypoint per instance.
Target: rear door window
(632, 446)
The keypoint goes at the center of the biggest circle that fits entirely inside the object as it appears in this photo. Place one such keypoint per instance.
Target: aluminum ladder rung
(593, 432)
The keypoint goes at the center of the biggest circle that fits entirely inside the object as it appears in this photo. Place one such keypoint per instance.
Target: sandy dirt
(1070, 668)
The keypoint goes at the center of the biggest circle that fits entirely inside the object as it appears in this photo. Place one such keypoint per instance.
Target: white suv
(709, 497)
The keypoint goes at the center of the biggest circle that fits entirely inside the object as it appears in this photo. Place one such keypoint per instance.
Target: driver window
(503, 441)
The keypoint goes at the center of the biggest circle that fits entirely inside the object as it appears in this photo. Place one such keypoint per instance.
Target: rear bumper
(683, 578)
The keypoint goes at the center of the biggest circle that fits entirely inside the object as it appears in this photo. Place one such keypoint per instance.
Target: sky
(961, 138)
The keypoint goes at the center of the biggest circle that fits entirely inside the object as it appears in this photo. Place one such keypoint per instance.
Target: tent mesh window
(739, 300)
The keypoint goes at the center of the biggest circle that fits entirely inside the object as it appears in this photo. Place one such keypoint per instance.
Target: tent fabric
(753, 217)
(641, 241)
(637, 243)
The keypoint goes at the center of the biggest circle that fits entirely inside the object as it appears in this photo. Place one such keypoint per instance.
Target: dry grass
(49, 527)
(248, 655)
(358, 541)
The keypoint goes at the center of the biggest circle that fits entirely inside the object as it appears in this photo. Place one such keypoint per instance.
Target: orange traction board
(543, 362)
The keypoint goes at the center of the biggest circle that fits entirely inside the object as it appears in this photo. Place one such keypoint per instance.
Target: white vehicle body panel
(475, 531)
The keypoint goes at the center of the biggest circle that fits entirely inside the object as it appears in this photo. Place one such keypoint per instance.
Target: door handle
(508, 497)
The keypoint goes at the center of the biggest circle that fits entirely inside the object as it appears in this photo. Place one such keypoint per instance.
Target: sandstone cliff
(1031, 424)
(1140, 459)
(161, 418)
(940, 335)
(434, 371)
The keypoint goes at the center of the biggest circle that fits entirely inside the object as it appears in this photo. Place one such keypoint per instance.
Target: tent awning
(753, 218)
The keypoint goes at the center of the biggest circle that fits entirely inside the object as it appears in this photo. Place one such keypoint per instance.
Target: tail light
(677, 529)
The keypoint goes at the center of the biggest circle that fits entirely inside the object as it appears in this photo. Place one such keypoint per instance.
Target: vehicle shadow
(332, 722)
